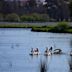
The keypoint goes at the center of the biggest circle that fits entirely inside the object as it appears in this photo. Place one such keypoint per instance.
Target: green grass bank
(61, 27)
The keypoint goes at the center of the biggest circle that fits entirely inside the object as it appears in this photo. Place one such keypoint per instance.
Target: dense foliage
(1, 17)
(35, 17)
(32, 3)
(13, 17)
(61, 27)
(58, 10)
(70, 6)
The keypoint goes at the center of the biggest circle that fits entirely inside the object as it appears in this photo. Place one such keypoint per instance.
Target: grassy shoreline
(18, 25)
(61, 27)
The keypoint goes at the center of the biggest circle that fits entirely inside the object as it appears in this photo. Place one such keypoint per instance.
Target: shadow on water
(14, 45)
(70, 58)
(34, 56)
(70, 64)
(43, 66)
(71, 43)
(44, 63)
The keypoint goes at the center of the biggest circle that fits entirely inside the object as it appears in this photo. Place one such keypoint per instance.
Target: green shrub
(34, 17)
(40, 29)
(62, 26)
(12, 17)
(41, 17)
(69, 30)
(45, 17)
(26, 18)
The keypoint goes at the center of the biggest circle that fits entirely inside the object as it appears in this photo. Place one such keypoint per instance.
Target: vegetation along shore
(60, 27)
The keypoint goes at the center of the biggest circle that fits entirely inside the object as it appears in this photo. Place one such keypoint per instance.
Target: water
(15, 46)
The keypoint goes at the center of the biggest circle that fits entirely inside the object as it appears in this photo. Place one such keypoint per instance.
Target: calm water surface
(15, 46)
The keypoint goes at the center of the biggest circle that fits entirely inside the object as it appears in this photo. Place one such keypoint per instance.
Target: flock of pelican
(47, 52)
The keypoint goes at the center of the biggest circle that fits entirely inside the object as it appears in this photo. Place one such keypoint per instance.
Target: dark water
(15, 46)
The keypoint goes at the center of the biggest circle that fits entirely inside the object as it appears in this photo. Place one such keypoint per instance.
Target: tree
(5, 6)
(70, 6)
(1, 5)
(32, 3)
(16, 4)
(1, 17)
(12, 17)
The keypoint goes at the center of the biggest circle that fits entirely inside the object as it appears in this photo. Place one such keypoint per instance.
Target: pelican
(57, 51)
(71, 53)
(48, 52)
(34, 52)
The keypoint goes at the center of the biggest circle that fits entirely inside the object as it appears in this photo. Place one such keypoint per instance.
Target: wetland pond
(16, 44)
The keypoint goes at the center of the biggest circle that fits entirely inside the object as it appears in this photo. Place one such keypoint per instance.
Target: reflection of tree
(70, 61)
(70, 64)
(43, 66)
(71, 43)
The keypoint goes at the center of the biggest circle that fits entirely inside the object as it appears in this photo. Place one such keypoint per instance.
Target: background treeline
(13, 17)
(57, 10)
(21, 7)
(70, 8)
